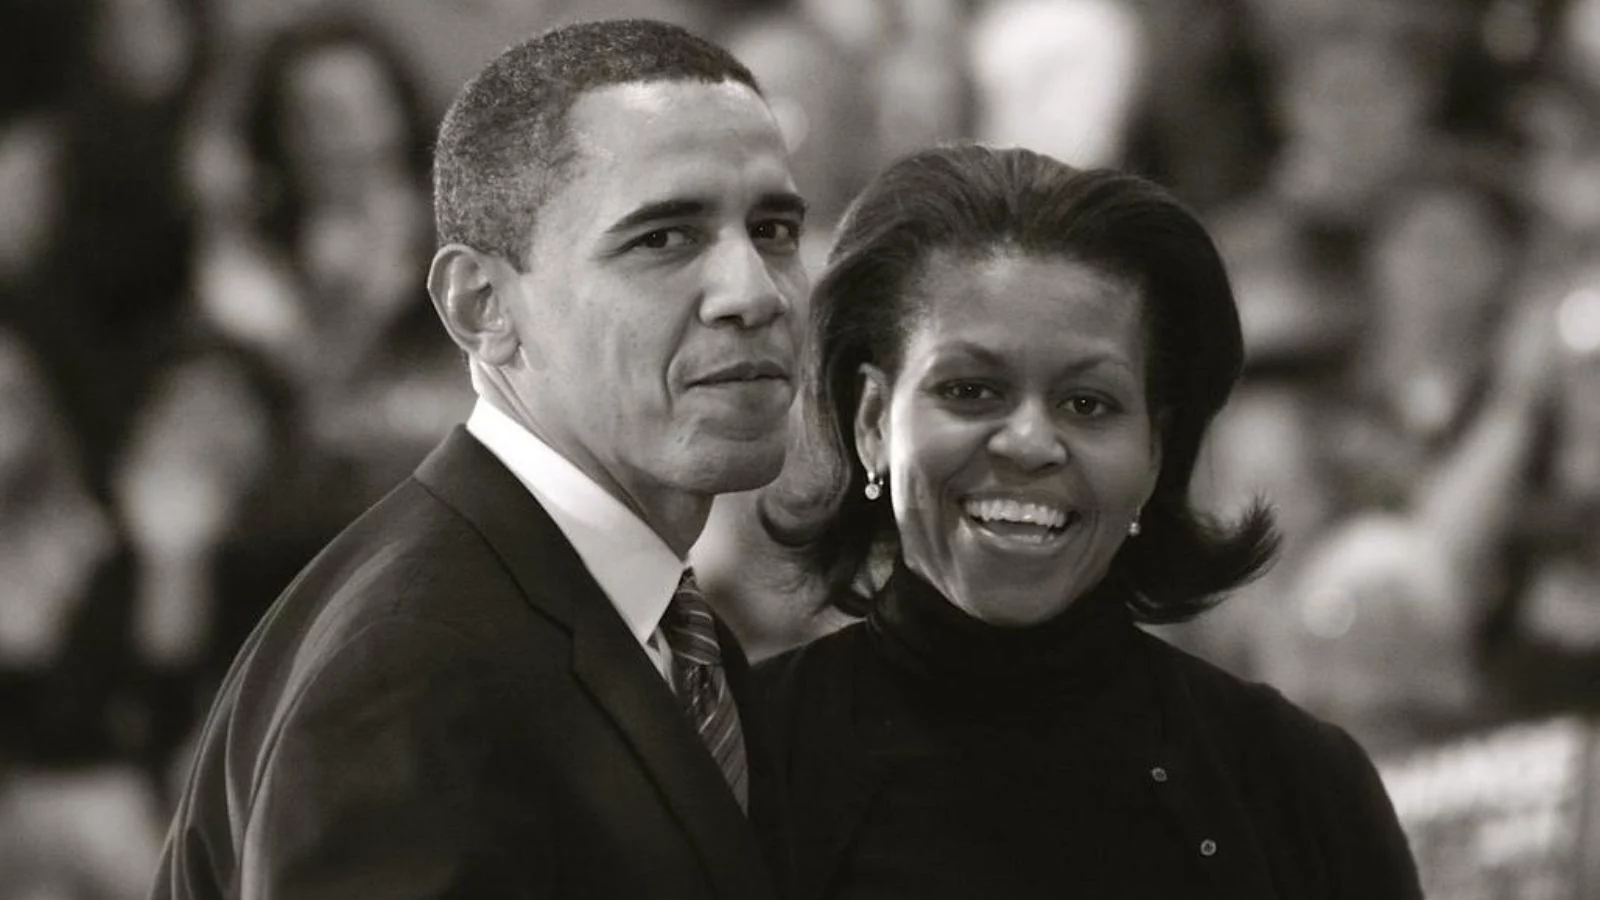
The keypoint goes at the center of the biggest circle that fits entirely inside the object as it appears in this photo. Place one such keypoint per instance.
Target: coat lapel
(609, 663)
(467, 477)
(606, 660)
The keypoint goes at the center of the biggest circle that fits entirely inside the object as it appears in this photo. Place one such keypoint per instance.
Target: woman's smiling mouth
(1020, 524)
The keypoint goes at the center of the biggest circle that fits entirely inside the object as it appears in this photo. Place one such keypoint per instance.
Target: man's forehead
(614, 118)
(653, 142)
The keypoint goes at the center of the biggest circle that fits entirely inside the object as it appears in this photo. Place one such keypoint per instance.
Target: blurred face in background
(1058, 77)
(144, 47)
(1355, 115)
(23, 416)
(1577, 453)
(1016, 436)
(1443, 250)
(1581, 36)
(919, 97)
(195, 451)
(1563, 161)
(1438, 263)
(29, 153)
(342, 117)
(53, 535)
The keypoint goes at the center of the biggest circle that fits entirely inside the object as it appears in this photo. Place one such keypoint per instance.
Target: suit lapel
(606, 659)
(468, 478)
(609, 663)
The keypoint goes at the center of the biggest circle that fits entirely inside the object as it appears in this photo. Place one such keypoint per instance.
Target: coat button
(1158, 774)
(1208, 847)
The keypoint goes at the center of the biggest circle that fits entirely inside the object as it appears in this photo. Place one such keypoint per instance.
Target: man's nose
(1028, 437)
(740, 287)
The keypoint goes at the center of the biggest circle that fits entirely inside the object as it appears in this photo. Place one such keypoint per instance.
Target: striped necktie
(701, 684)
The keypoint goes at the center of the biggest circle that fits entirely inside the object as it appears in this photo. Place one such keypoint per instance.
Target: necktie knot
(689, 625)
(701, 685)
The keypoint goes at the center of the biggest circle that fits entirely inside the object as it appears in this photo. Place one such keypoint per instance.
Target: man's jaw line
(676, 517)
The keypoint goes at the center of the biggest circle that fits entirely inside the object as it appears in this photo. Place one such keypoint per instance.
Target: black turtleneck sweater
(1011, 755)
(927, 754)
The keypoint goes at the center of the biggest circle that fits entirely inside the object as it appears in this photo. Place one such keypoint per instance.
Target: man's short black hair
(504, 143)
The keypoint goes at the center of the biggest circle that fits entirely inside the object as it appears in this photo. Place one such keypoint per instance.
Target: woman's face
(1017, 435)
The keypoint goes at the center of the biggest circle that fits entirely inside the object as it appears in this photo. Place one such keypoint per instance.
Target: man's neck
(676, 516)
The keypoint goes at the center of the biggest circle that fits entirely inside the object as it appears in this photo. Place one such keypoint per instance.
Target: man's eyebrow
(681, 208)
(659, 211)
(782, 202)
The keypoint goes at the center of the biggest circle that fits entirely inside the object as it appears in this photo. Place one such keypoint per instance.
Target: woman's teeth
(1017, 512)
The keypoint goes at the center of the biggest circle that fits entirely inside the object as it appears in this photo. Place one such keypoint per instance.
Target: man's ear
(872, 418)
(468, 291)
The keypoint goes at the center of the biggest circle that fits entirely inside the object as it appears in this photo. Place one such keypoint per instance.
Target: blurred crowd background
(216, 349)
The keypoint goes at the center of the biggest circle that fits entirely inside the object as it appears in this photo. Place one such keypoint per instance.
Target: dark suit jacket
(1293, 801)
(445, 704)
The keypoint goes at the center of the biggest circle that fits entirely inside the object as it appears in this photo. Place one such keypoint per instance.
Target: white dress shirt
(631, 563)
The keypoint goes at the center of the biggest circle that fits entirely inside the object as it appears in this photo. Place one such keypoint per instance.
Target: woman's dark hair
(973, 201)
(268, 94)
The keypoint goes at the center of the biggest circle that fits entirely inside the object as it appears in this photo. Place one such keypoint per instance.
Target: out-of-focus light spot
(793, 123)
(1578, 321)
(1329, 614)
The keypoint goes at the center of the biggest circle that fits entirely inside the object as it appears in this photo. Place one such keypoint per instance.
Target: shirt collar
(632, 564)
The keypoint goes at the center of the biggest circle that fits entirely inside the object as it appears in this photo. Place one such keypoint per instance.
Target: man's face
(658, 348)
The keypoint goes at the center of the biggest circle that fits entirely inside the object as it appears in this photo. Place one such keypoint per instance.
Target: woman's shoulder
(1255, 718)
(1306, 779)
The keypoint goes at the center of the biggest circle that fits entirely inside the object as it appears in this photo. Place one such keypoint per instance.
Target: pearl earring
(1134, 528)
(874, 488)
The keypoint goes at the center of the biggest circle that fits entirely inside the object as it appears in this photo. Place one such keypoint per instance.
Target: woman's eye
(966, 390)
(1088, 407)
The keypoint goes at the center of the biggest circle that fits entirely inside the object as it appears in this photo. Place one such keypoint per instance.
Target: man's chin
(725, 466)
(741, 412)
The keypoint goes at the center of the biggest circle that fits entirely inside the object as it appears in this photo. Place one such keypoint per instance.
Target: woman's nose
(1029, 437)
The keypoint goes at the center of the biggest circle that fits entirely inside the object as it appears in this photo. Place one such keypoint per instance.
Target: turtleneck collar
(925, 636)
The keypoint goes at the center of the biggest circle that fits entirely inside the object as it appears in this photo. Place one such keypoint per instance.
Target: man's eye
(780, 234)
(662, 239)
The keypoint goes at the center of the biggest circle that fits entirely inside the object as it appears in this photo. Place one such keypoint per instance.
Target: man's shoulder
(410, 561)
(417, 551)
(407, 548)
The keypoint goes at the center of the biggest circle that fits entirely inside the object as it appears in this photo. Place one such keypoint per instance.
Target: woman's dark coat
(1248, 796)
